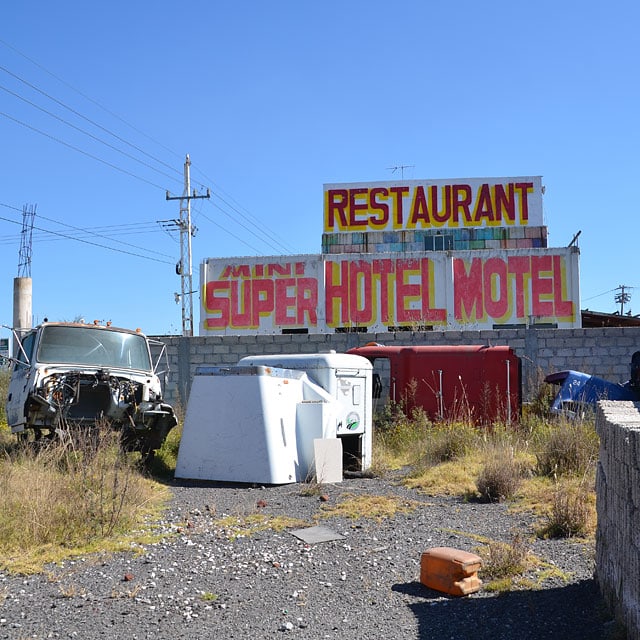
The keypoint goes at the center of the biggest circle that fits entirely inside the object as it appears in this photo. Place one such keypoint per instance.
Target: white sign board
(408, 205)
(476, 289)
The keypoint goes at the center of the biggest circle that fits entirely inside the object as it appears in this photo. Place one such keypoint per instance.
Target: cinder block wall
(618, 505)
(604, 352)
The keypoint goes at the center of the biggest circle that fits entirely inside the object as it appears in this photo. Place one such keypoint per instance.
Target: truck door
(18, 384)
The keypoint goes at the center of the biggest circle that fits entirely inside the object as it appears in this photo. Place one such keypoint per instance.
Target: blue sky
(100, 102)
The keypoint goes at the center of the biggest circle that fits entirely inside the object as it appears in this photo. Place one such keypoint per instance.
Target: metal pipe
(508, 392)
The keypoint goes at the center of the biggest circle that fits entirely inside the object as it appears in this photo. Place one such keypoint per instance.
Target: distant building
(592, 319)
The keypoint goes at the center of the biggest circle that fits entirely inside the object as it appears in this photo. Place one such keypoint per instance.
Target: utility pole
(623, 297)
(184, 268)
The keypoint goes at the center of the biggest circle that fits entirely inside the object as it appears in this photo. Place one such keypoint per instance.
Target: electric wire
(598, 295)
(100, 235)
(112, 235)
(86, 133)
(94, 244)
(84, 241)
(80, 115)
(233, 235)
(89, 98)
(259, 224)
(85, 153)
(241, 224)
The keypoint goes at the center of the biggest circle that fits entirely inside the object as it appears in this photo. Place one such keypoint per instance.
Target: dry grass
(505, 560)
(448, 478)
(5, 376)
(540, 465)
(63, 496)
(243, 526)
(501, 474)
(369, 506)
(572, 512)
(567, 448)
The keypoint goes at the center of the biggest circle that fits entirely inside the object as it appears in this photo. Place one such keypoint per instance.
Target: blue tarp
(580, 390)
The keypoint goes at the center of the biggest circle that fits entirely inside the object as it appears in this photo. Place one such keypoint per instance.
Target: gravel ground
(197, 583)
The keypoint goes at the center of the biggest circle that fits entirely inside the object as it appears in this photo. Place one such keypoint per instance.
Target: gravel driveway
(198, 583)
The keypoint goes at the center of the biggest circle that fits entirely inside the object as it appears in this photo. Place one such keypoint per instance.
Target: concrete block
(221, 349)
(272, 348)
(289, 348)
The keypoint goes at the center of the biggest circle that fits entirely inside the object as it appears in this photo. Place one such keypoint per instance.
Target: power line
(86, 133)
(94, 244)
(598, 295)
(80, 115)
(259, 223)
(100, 235)
(85, 153)
(272, 238)
(261, 228)
(106, 231)
(89, 98)
(233, 235)
(244, 226)
(41, 238)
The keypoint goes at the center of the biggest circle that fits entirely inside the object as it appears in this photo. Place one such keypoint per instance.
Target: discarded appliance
(478, 382)
(266, 419)
(450, 570)
(579, 392)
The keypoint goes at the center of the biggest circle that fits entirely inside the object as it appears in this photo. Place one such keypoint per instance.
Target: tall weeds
(538, 461)
(567, 448)
(68, 492)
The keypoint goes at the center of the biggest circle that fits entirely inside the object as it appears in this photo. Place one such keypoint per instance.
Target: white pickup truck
(69, 374)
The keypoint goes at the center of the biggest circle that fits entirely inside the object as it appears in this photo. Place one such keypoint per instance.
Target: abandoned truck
(72, 374)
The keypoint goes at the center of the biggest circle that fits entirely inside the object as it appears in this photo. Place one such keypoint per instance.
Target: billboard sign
(386, 291)
(410, 205)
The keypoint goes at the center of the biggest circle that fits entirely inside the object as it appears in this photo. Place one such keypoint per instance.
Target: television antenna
(401, 168)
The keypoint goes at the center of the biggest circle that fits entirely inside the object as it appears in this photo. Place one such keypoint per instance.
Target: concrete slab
(328, 459)
(315, 535)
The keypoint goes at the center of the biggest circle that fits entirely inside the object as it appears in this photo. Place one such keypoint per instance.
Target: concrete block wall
(618, 506)
(604, 352)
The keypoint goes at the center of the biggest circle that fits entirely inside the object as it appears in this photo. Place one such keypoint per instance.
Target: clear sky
(100, 102)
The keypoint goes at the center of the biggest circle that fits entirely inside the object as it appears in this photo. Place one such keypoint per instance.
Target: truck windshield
(93, 347)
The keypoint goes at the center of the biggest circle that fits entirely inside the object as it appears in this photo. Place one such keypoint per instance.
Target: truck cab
(74, 374)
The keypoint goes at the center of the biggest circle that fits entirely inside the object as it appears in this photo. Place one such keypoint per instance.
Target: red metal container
(472, 382)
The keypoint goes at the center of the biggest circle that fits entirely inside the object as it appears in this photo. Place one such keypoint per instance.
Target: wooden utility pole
(184, 268)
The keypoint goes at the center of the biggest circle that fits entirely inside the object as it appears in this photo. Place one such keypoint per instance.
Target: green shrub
(396, 431)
